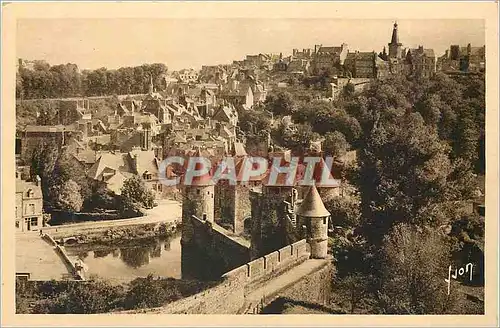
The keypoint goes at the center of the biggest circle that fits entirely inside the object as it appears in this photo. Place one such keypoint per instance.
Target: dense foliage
(135, 192)
(420, 148)
(97, 296)
(59, 81)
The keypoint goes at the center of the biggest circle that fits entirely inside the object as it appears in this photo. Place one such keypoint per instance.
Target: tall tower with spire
(395, 46)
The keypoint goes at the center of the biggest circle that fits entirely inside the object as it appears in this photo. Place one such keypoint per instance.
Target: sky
(191, 43)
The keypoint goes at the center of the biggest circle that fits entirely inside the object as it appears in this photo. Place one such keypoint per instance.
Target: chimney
(134, 164)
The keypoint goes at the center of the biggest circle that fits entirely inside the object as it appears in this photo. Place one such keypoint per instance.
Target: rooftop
(312, 205)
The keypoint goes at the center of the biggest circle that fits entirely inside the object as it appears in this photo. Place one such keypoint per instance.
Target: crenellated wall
(212, 249)
(231, 295)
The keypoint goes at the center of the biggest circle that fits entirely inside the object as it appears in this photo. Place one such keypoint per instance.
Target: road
(166, 211)
(37, 257)
(278, 283)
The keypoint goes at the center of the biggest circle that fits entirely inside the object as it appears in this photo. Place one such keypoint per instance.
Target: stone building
(463, 59)
(29, 201)
(421, 62)
(33, 134)
(328, 59)
(72, 110)
(361, 64)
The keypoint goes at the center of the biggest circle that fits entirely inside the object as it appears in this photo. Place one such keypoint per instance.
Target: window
(17, 224)
(197, 191)
(34, 222)
(324, 220)
(29, 193)
(30, 209)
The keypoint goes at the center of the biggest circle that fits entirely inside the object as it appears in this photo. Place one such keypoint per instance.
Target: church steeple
(395, 45)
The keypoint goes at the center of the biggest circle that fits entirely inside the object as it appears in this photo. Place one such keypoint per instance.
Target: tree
(345, 211)
(404, 173)
(134, 191)
(254, 122)
(66, 168)
(349, 89)
(149, 292)
(297, 138)
(467, 236)
(354, 290)
(415, 262)
(83, 298)
(67, 197)
(101, 198)
(280, 103)
(335, 144)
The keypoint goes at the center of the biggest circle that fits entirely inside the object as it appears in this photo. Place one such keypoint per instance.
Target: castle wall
(230, 296)
(243, 207)
(234, 204)
(212, 250)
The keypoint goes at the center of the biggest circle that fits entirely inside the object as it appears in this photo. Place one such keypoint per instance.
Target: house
(328, 58)
(188, 75)
(299, 66)
(421, 62)
(114, 168)
(361, 64)
(226, 113)
(29, 202)
(72, 110)
(32, 134)
(463, 59)
(241, 97)
(304, 54)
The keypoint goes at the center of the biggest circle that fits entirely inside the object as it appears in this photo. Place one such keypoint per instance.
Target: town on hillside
(368, 199)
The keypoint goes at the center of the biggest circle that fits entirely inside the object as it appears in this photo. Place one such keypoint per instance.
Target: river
(131, 260)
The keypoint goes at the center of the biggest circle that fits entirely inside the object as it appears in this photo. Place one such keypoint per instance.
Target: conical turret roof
(312, 205)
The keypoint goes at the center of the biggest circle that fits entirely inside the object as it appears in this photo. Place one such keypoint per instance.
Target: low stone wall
(78, 274)
(105, 231)
(228, 297)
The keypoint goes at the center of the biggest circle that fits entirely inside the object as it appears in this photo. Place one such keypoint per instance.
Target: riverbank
(115, 235)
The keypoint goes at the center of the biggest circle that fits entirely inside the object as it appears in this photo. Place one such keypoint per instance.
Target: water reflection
(136, 259)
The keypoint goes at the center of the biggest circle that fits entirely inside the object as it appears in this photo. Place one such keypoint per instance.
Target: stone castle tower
(395, 47)
(312, 222)
(198, 200)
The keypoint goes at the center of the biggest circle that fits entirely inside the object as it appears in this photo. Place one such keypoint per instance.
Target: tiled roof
(330, 50)
(49, 128)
